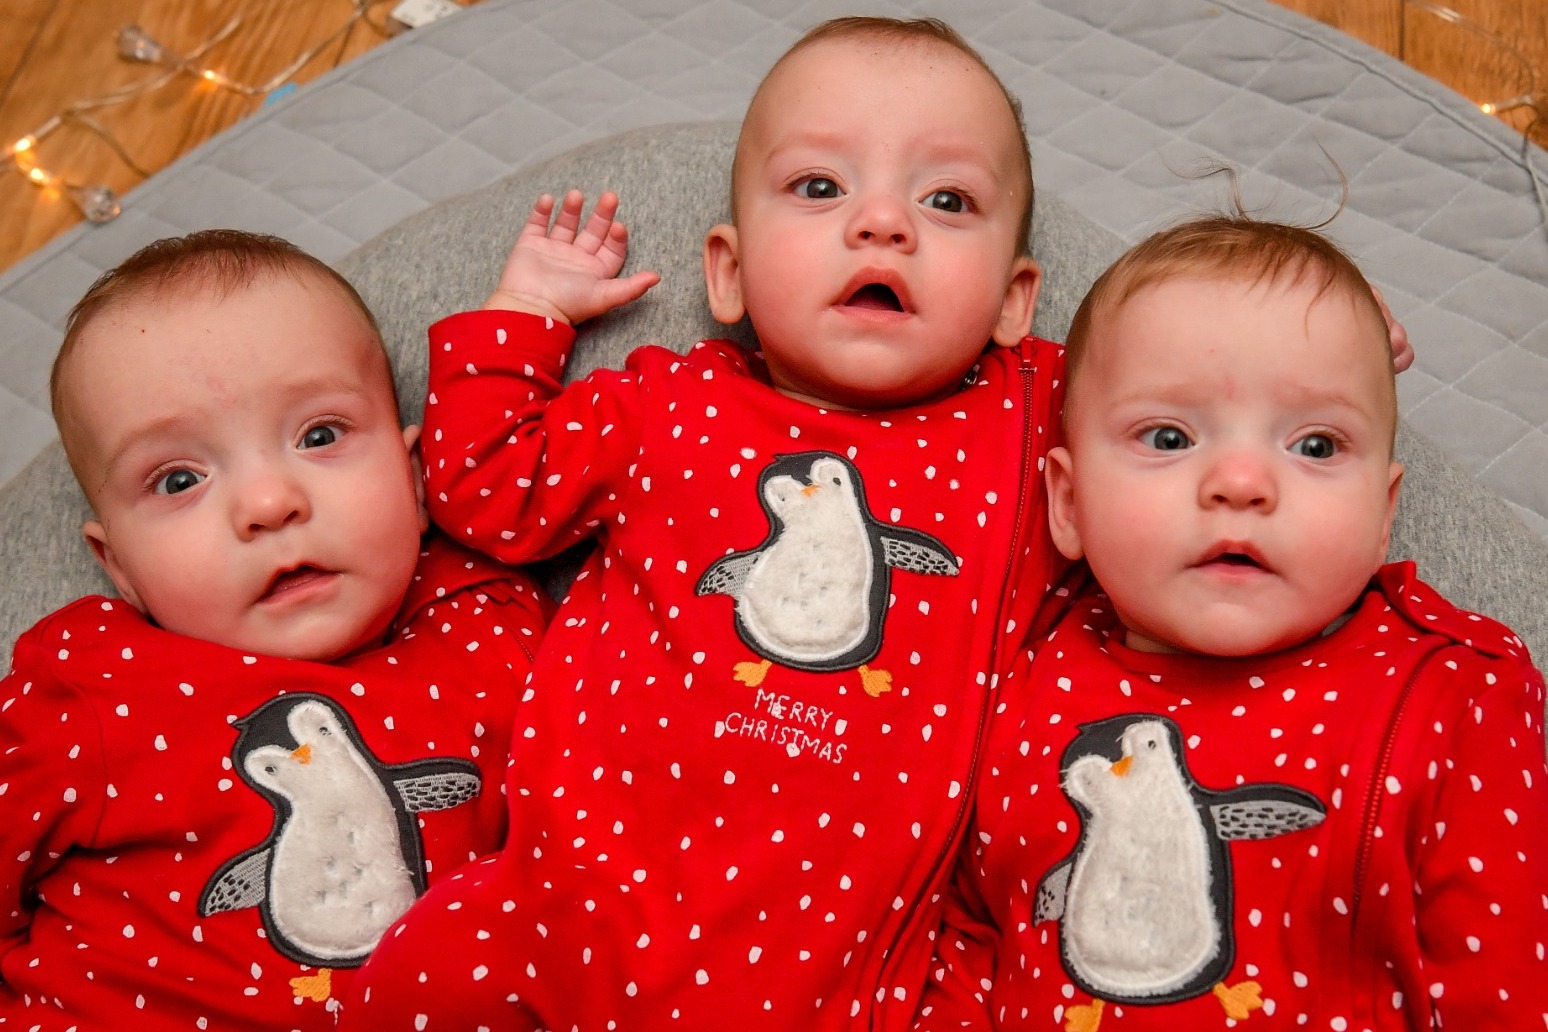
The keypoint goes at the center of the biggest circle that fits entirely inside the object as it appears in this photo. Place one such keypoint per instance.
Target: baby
(221, 789)
(1256, 774)
(745, 759)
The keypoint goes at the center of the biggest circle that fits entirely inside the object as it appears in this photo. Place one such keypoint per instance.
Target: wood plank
(79, 39)
(23, 20)
(73, 56)
(1513, 63)
(1451, 52)
(1377, 22)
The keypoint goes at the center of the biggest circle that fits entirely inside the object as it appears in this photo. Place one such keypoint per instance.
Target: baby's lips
(1236, 553)
(877, 288)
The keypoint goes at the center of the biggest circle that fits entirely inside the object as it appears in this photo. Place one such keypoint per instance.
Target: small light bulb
(37, 175)
(23, 144)
(98, 203)
(135, 44)
(1487, 109)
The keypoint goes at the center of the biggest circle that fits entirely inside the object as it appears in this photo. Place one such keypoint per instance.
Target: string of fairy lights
(1522, 78)
(101, 203)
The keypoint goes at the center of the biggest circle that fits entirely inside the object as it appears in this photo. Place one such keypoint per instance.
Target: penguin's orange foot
(1083, 1018)
(752, 674)
(874, 681)
(316, 987)
(1239, 1000)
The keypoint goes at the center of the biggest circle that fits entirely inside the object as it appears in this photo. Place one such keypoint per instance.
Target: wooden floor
(61, 52)
(65, 51)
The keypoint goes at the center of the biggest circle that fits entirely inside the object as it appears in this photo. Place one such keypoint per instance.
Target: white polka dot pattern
(1419, 898)
(701, 833)
(122, 799)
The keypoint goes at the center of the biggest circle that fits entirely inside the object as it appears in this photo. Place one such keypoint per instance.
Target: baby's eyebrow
(1184, 390)
(806, 140)
(161, 427)
(965, 150)
(323, 385)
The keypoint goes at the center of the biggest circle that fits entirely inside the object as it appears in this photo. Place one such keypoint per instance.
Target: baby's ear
(96, 536)
(417, 471)
(1394, 482)
(722, 275)
(1020, 301)
(1059, 476)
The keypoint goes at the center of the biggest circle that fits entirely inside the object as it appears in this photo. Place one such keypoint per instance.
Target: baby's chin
(322, 644)
(871, 394)
(1223, 641)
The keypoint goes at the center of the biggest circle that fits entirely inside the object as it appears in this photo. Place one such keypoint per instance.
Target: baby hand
(1402, 350)
(565, 271)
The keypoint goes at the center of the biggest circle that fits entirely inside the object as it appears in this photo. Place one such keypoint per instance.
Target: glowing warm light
(100, 203)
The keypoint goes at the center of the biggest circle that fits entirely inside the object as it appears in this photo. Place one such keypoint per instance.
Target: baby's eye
(818, 188)
(946, 200)
(177, 481)
(1166, 438)
(1315, 446)
(320, 436)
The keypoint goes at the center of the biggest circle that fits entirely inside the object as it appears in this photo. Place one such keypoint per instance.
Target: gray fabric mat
(1120, 96)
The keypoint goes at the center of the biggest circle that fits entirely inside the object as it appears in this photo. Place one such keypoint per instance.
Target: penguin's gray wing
(1051, 891)
(914, 551)
(726, 576)
(242, 882)
(435, 784)
(1265, 810)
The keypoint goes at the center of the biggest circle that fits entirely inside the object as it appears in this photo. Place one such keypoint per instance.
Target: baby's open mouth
(289, 580)
(1235, 557)
(877, 297)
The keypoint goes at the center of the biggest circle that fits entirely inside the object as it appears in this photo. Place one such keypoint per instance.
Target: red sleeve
(515, 466)
(1481, 854)
(956, 995)
(52, 781)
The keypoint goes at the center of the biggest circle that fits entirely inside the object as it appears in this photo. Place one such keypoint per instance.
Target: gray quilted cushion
(673, 184)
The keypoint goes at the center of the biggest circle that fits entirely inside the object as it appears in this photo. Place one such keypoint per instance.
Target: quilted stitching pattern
(1121, 97)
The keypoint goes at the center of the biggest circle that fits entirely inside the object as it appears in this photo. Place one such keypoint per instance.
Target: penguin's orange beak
(1121, 768)
(303, 754)
(811, 489)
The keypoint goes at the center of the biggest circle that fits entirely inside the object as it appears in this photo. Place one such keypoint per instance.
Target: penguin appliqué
(814, 594)
(344, 858)
(1144, 901)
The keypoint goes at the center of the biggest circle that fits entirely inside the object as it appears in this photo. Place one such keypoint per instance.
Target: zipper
(947, 857)
(1378, 781)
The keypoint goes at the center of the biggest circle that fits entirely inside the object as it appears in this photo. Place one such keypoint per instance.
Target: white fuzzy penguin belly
(1139, 918)
(808, 596)
(338, 878)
